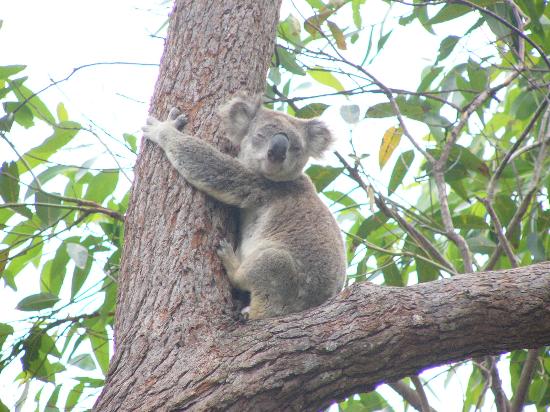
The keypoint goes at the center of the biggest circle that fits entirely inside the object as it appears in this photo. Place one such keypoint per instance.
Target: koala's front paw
(177, 118)
(158, 131)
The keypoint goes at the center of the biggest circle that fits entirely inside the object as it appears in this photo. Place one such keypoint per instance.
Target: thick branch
(365, 336)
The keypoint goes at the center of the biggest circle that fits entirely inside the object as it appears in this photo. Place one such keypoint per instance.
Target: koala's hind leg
(270, 275)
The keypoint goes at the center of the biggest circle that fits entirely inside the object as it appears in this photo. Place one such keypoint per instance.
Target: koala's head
(272, 143)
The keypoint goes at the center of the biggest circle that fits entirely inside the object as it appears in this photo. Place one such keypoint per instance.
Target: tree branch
(525, 380)
(366, 335)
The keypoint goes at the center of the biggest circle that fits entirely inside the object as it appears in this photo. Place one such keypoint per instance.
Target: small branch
(423, 242)
(409, 394)
(395, 253)
(508, 157)
(503, 241)
(524, 380)
(425, 406)
(507, 24)
(82, 205)
(501, 400)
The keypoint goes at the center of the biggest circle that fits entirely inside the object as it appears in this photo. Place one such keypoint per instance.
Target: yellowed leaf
(338, 35)
(389, 143)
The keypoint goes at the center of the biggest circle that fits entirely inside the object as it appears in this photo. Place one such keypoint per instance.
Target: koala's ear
(237, 114)
(319, 137)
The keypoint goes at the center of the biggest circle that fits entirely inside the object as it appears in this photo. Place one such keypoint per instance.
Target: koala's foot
(159, 132)
(230, 261)
(244, 315)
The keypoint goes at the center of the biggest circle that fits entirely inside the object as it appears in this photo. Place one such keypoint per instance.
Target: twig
(425, 406)
(507, 24)
(82, 205)
(508, 157)
(423, 242)
(524, 380)
(409, 394)
(503, 241)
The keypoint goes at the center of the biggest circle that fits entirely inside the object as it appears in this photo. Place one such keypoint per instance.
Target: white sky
(53, 37)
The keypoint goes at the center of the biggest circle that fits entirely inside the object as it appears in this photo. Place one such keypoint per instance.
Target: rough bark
(177, 345)
(171, 286)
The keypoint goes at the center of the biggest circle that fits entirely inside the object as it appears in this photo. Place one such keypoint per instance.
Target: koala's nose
(277, 148)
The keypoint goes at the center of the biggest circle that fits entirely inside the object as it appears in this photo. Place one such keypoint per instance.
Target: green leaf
(63, 134)
(62, 114)
(102, 185)
(370, 224)
(46, 176)
(311, 110)
(400, 169)
(428, 76)
(5, 331)
(290, 29)
(288, 61)
(46, 208)
(469, 222)
(37, 106)
(97, 334)
(91, 382)
(477, 75)
(446, 47)
(7, 71)
(37, 301)
(326, 78)
(83, 361)
(73, 397)
(390, 141)
(425, 271)
(316, 4)
(449, 12)
(322, 176)
(53, 273)
(131, 140)
(9, 182)
(22, 114)
(392, 275)
(356, 12)
(536, 247)
(382, 41)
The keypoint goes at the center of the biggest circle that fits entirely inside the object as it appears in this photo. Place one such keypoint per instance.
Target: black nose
(278, 146)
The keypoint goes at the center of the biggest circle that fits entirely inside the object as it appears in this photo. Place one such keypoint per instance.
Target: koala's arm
(202, 165)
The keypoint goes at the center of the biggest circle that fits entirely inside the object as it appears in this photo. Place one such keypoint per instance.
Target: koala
(290, 254)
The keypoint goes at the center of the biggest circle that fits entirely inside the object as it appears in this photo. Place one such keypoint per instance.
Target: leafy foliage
(62, 233)
(448, 177)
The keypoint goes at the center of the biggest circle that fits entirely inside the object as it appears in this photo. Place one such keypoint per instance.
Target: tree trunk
(172, 289)
(178, 346)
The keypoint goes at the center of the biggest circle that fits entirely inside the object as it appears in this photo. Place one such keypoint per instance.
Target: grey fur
(290, 254)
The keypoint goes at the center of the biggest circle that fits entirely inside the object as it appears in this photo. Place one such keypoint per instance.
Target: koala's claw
(174, 113)
(180, 122)
(244, 315)
(225, 250)
(178, 119)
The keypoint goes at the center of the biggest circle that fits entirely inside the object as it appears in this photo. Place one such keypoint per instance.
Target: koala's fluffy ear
(319, 137)
(237, 114)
